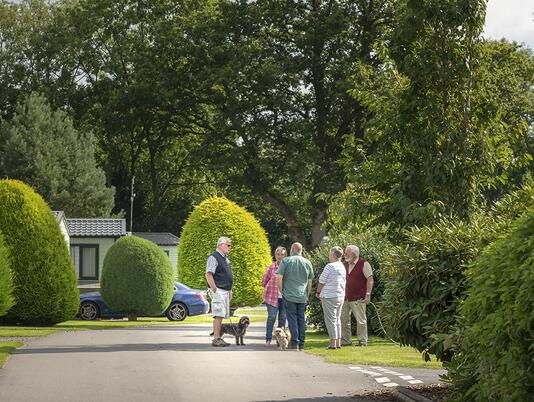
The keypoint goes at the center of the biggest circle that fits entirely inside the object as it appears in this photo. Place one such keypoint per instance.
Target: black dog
(238, 330)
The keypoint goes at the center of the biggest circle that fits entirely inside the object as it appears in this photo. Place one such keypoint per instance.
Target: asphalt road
(178, 363)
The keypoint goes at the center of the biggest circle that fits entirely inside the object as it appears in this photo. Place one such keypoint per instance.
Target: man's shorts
(220, 303)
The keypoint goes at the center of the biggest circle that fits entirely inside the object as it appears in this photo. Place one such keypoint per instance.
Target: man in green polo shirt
(294, 279)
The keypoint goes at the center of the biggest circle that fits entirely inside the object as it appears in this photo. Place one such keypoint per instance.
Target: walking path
(178, 363)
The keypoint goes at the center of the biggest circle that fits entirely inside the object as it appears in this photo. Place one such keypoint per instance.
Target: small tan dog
(283, 338)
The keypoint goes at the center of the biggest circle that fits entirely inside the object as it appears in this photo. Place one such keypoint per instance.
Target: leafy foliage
(43, 275)
(373, 247)
(512, 205)
(280, 78)
(451, 123)
(6, 279)
(494, 361)
(211, 219)
(137, 277)
(426, 281)
(145, 96)
(435, 46)
(505, 106)
(42, 148)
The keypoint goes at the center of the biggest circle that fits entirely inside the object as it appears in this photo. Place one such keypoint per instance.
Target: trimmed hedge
(137, 277)
(45, 282)
(426, 281)
(495, 357)
(6, 280)
(373, 246)
(250, 255)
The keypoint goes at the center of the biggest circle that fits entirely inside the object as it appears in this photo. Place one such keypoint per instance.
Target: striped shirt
(334, 278)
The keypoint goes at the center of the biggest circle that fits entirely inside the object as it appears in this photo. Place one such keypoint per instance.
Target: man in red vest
(357, 296)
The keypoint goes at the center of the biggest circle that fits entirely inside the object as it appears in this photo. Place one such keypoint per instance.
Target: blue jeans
(272, 311)
(296, 321)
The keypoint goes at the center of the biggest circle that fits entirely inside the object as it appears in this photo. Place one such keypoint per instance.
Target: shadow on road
(182, 347)
(335, 399)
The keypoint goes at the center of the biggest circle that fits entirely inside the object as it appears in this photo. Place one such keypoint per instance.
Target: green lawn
(262, 312)
(5, 349)
(379, 351)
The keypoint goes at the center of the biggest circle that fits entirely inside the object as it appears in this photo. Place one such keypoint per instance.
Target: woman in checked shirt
(272, 296)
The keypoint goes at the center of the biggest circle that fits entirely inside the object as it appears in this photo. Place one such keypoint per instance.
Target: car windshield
(180, 286)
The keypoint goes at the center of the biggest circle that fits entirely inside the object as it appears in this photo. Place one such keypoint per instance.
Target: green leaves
(449, 117)
(43, 275)
(137, 277)
(42, 148)
(427, 280)
(495, 354)
(250, 254)
(7, 299)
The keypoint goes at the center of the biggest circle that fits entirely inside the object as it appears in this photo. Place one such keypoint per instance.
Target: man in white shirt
(220, 280)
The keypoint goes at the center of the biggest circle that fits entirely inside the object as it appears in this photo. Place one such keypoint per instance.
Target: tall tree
(439, 140)
(33, 55)
(143, 81)
(504, 84)
(501, 150)
(282, 72)
(42, 148)
(428, 134)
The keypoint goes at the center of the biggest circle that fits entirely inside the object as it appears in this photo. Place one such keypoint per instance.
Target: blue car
(185, 301)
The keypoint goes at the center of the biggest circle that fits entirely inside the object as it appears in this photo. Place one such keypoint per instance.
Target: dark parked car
(185, 301)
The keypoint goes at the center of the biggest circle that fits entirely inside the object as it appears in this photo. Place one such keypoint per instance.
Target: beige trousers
(358, 309)
(332, 316)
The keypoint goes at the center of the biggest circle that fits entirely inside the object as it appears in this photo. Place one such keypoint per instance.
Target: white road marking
(390, 372)
(385, 381)
(373, 373)
(382, 380)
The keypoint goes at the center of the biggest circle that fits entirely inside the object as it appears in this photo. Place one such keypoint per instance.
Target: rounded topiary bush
(250, 255)
(44, 278)
(137, 277)
(494, 359)
(6, 279)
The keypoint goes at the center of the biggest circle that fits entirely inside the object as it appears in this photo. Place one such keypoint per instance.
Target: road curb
(405, 395)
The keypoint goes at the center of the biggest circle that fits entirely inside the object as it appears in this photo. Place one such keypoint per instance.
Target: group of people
(344, 289)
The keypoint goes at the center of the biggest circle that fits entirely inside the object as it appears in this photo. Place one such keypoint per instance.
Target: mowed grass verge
(379, 351)
(5, 349)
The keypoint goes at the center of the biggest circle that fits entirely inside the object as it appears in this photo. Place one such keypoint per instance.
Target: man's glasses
(229, 245)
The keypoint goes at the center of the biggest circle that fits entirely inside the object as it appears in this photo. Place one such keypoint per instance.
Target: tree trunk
(132, 316)
(319, 213)
(271, 196)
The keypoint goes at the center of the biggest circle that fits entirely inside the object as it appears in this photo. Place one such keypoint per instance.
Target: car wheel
(176, 312)
(89, 311)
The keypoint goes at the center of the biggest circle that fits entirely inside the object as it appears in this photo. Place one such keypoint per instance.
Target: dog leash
(381, 326)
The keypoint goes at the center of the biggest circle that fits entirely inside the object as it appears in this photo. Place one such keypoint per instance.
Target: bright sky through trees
(511, 19)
